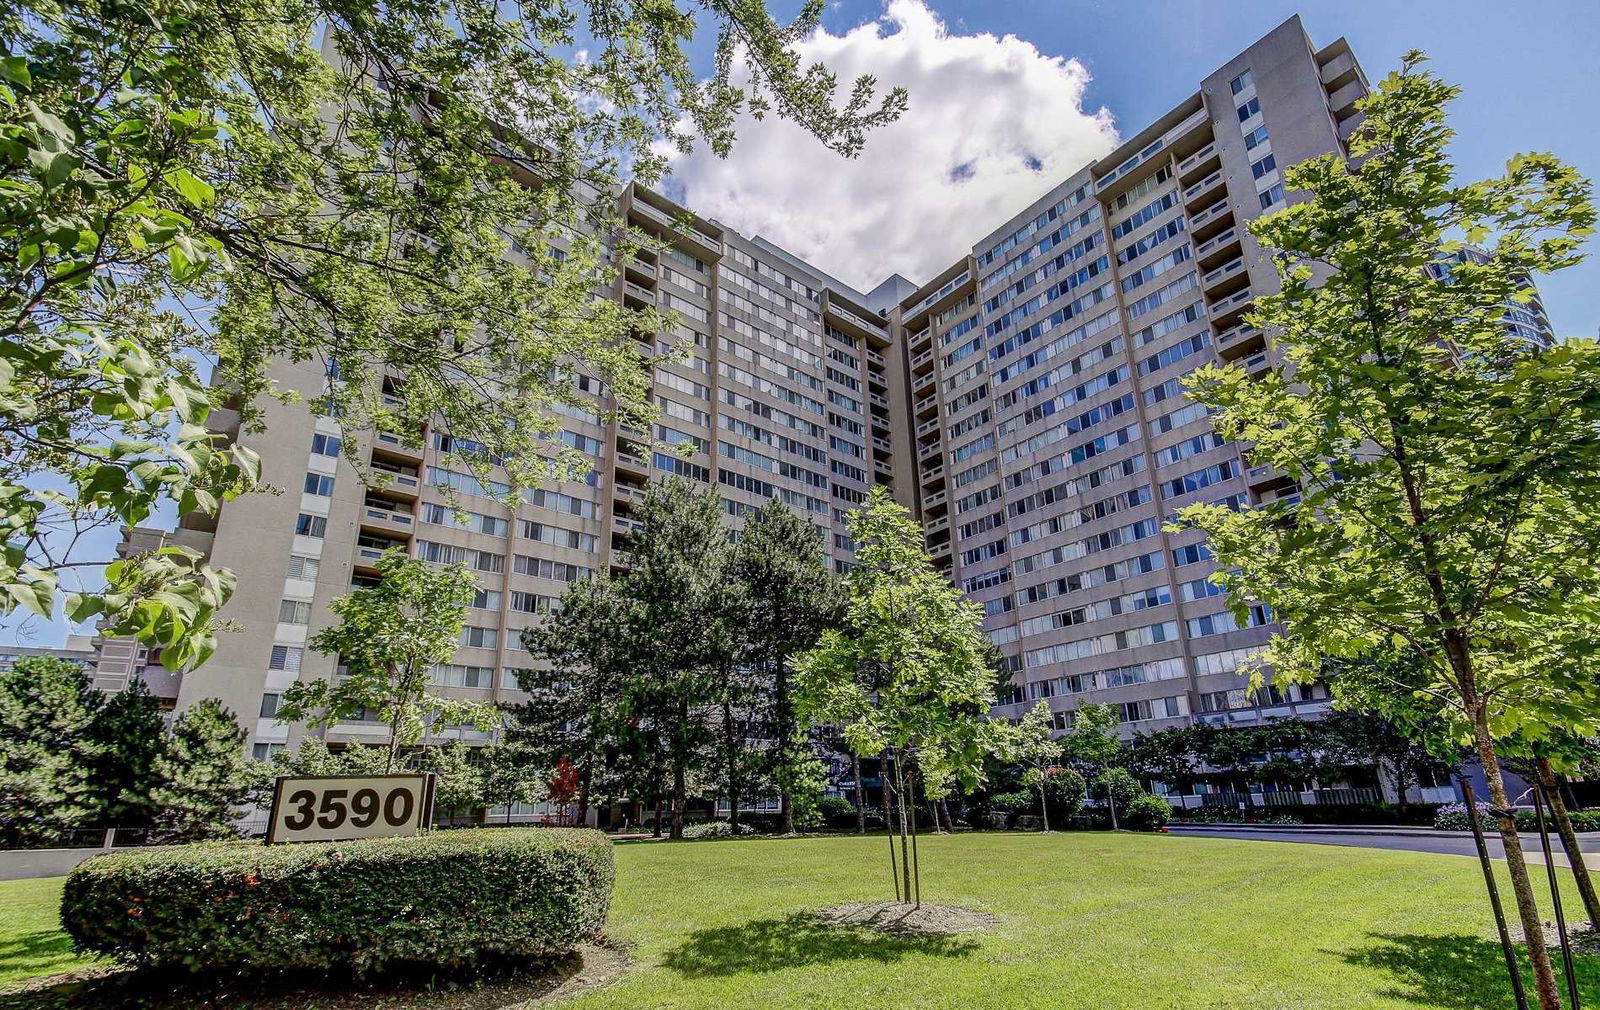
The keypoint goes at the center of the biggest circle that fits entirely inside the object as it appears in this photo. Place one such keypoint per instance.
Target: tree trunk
(861, 804)
(732, 756)
(780, 697)
(583, 792)
(1044, 807)
(1569, 841)
(655, 831)
(680, 790)
(888, 821)
(1401, 784)
(949, 822)
(1544, 979)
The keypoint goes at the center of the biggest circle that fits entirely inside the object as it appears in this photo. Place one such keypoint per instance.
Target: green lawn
(31, 941)
(1086, 920)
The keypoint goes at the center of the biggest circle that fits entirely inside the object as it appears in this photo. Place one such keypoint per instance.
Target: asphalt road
(1455, 845)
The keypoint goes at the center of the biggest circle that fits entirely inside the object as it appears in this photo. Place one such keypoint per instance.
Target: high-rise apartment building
(1026, 403)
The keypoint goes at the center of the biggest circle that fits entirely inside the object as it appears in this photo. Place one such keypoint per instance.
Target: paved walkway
(1380, 837)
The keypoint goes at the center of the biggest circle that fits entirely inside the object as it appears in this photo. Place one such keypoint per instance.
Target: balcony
(923, 384)
(625, 525)
(920, 338)
(627, 495)
(939, 525)
(922, 359)
(936, 499)
(1211, 214)
(633, 464)
(1238, 340)
(387, 443)
(881, 444)
(1201, 160)
(1217, 244)
(876, 378)
(1230, 306)
(690, 234)
(1204, 187)
(925, 404)
(398, 481)
(931, 449)
(1345, 98)
(388, 520)
(1257, 364)
(1231, 271)
(875, 357)
(1258, 477)
(927, 426)
(883, 467)
(637, 266)
(638, 293)
(1338, 67)
(934, 474)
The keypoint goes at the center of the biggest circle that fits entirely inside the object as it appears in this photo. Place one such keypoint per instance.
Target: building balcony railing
(1195, 160)
(1228, 237)
(1209, 214)
(1205, 185)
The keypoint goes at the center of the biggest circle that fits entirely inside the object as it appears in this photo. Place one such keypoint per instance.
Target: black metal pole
(888, 829)
(1539, 801)
(1494, 898)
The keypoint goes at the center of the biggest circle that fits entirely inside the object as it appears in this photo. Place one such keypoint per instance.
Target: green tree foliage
(1094, 746)
(908, 669)
(678, 632)
(47, 750)
(129, 739)
(388, 638)
(1032, 745)
(168, 174)
(576, 692)
(458, 786)
(203, 778)
(1449, 468)
(788, 597)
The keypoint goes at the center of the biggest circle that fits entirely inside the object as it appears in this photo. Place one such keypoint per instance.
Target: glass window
(307, 525)
(1249, 109)
(1241, 82)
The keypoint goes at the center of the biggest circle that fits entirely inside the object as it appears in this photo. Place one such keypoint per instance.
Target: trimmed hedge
(441, 899)
(1145, 813)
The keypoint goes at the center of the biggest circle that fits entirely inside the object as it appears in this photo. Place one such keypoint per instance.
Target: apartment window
(1272, 196)
(1255, 138)
(308, 525)
(474, 637)
(486, 599)
(1241, 82)
(325, 445)
(319, 484)
(1262, 167)
(1249, 109)
(265, 751)
(286, 657)
(302, 567)
(270, 703)
(294, 612)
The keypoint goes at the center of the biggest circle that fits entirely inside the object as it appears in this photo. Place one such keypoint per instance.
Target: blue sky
(1528, 73)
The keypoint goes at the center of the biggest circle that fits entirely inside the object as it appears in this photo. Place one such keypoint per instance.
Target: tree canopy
(423, 194)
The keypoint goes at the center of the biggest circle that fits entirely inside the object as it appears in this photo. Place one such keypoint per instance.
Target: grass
(31, 942)
(1085, 920)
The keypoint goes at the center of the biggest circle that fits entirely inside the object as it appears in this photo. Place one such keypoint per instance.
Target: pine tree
(789, 597)
(129, 738)
(47, 750)
(204, 778)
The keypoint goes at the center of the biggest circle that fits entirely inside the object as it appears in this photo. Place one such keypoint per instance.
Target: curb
(1346, 829)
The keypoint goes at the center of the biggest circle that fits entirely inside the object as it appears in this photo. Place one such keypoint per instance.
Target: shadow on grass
(27, 952)
(1460, 972)
(795, 942)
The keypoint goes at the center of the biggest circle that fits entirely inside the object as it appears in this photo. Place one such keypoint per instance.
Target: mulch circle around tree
(505, 986)
(903, 919)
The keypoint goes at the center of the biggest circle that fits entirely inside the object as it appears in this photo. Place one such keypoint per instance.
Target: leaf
(198, 193)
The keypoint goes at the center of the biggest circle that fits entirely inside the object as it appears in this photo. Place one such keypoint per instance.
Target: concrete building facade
(1025, 403)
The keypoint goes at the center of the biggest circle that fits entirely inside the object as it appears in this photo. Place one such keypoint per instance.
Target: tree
(509, 775)
(168, 184)
(204, 780)
(388, 638)
(457, 777)
(677, 634)
(1176, 756)
(563, 786)
(129, 738)
(1448, 467)
(907, 670)
(576, 693)
(1093, 743)
(47, 750)
(1031, 744)
(789, 598)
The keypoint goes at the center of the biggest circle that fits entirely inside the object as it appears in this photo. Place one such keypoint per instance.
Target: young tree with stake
(908, 670)
(1450, 469)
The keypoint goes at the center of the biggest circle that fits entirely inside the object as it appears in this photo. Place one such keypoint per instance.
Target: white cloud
(992, 124)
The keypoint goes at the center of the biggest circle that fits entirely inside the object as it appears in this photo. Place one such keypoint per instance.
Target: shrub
(440, 899)
(1145, 813)
(1453, 817)
(1021, 801)
(1065, 790)
(837, 812)
(715, 829)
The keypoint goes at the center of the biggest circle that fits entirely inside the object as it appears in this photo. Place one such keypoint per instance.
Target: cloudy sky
(993, 122)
